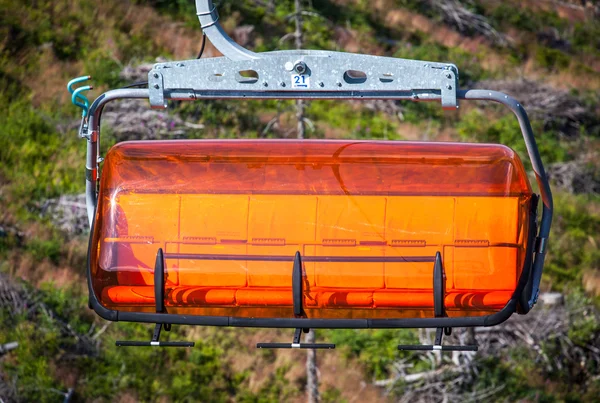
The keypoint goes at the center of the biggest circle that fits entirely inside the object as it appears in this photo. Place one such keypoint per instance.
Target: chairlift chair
(312, 233)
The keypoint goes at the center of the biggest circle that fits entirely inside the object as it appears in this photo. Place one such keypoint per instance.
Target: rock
(68, 212)
(133, 120)
(578, 177)
(551, 299)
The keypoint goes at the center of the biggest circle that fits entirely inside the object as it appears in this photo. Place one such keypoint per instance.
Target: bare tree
(299, 35)
(312, 381)
(555, 108)
(546, 335)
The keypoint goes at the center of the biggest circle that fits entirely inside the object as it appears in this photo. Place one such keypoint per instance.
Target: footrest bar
(437, 348)
(154, 344)
(296, 345)
(155, 341)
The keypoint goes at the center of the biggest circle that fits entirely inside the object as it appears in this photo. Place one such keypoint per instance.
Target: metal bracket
(540, 244)
(324, 75)
(157, 94)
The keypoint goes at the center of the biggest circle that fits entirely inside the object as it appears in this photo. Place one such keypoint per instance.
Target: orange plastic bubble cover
(367, 217)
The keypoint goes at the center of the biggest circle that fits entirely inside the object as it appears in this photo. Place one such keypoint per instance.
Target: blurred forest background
(544, 53)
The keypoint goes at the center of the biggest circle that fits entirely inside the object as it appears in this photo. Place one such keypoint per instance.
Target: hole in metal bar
(355, 77)
(217, 77)
(386, 78)
(247, 77)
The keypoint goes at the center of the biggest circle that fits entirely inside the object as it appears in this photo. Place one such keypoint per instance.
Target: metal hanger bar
(325, 75)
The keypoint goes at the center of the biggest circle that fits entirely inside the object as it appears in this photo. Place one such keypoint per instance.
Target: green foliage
(277, 388)
(58, 24)
(353, 122)
(524, 18)
(470, 64)
(225, 119)
(584, 327)
(41, 250)
(477, 126)
(103, 67)
(586, 37)
(574, 239)
(376, 350)
(34, 158)
(516, 382)
(332, 395)
(30, 363)
(174, 374)
(552, 59)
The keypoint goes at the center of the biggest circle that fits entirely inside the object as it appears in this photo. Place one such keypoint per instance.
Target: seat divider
(297, 286)
(439, 310)
(159, 302)
(159, 281)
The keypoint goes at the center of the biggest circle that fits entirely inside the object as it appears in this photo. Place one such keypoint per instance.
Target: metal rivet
(156, 86)
(449, 75)
(265, 84)
(339, 84)
(300, 67)
(449, 86)
(282, 84)
(155, 75)
(321, 84)
(180, 64)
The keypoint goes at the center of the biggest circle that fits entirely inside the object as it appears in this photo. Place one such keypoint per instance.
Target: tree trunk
(301, 130)
(312, 378)
(300, 116)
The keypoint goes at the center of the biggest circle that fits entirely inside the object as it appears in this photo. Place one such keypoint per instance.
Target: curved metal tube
(538, 169)
(209, 22)
(93, 139)
(77, 94)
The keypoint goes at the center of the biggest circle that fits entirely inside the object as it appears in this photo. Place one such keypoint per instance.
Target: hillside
(545, 53)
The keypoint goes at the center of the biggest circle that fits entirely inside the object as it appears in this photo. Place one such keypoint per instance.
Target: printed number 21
(300, 79)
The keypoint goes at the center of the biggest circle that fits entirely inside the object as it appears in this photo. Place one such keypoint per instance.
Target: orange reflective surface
(367, 217)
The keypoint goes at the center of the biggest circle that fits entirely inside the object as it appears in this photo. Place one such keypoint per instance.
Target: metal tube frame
(478, 95)
(416, 81)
